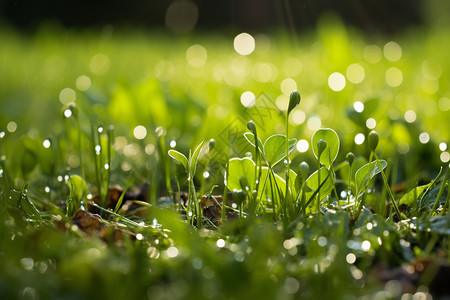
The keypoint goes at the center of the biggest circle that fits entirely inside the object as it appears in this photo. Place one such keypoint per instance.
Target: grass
(362, 210)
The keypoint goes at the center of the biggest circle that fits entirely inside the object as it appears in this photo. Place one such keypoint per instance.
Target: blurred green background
(202, 76)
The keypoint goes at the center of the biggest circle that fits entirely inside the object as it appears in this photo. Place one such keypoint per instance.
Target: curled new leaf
(180, 157)
(373, 140)
(239, 168)
(194, 159)
(349, 158)
(294, 101)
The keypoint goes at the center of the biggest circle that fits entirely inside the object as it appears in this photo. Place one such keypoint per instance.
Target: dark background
(374, 16)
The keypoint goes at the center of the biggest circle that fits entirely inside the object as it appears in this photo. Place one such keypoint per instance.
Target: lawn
(224, 165)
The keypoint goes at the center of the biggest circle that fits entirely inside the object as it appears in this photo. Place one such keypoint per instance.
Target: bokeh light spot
(196, 56)
(355, 73)
(302, 146)
(358, 106)
(365, 246)
(11, 126)
(282, 102)
(181, 16)
(410, 116)
(394, 77)
(442, 146)
(244, 43)
(67, 113)
(292, 66)
(264, 72)
(298, 117)
(424, 137)
(314, 122)
(46, 144)
(248, 99)
(172, 252)
(220, 243)
(359, 138)
(67, 96)
(350, 258)
(83, 83)
(140, 132)
(336, 81)
(288, 85)
(392, 51)
(371, 123)
(445, 157)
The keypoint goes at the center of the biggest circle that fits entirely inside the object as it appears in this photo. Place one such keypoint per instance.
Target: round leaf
(251, 139)
(325, 178)
(275, 148)
(331, 151)
(238, 168)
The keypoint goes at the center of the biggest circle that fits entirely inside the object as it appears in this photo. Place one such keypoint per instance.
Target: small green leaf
(312, 183)
(275, 148)
(179, 157)
(79, 190)
(20, 201)
(238, 168)
(367, 172)
(194, 159)
(279, 182)
(411, 196)
(251, 139)
(331, 150)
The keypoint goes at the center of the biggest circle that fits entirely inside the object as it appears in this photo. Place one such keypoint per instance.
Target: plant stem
(394, 204)
(96, 163)
(286, 194)
(349, 188)
(441, 191)
(79, 147)
(225, 194)
(318, 183)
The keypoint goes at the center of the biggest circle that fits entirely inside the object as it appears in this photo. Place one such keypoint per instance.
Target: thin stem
(349, 188)
(394, 204)
(79, 147)
(318, 183)
(441, 191)
(225, 195)
(286, 194)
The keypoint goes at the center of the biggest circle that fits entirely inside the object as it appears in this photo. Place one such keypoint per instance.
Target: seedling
(190, 165)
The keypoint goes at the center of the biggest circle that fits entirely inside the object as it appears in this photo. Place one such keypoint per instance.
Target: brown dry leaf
(87, 222)
(212, 208)
(114, 194)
